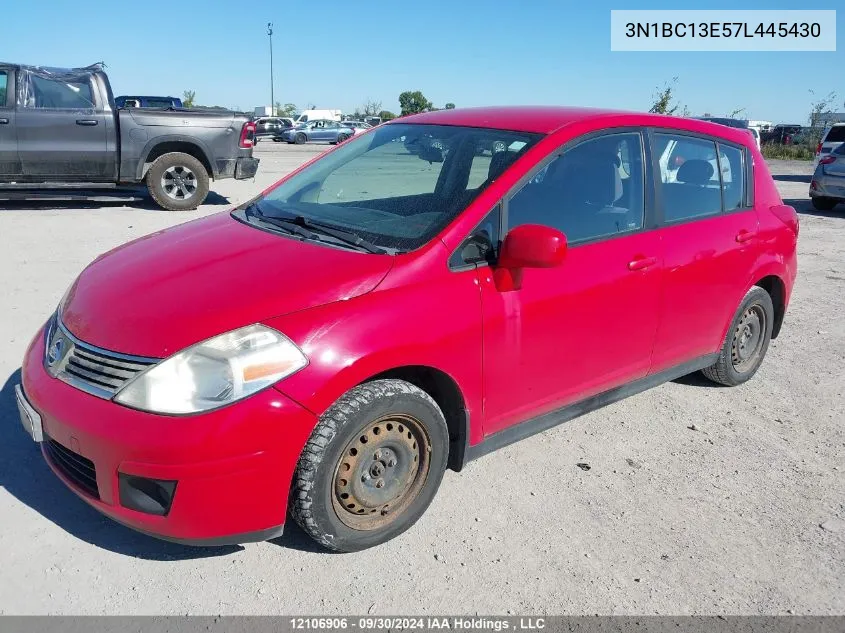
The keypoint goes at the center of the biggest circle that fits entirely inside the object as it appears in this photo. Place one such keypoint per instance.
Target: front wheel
(177, 182)
(823, 204)
(371, 466)
(747, 341)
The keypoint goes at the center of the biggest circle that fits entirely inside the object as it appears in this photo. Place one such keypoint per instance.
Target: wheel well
(178, 146)
(774, 286)
(448, 397)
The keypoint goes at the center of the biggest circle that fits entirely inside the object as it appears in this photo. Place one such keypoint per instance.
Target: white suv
(832, 138)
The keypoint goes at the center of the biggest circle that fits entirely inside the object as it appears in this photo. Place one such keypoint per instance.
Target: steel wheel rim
(381, 472)
(748, 338)
(179, 182)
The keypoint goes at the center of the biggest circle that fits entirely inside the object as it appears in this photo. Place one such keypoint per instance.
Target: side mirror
(528, 246)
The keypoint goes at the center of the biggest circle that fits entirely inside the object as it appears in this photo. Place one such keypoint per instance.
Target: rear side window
(689, 177)
(68, 95)
(593, 190)
(732, 161)
(4, 82)
(836, 134)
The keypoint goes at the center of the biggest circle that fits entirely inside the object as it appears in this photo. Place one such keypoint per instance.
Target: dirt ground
(698, 499)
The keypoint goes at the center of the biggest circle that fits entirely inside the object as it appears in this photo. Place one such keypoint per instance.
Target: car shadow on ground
(135, 199)
(25, 475)
(804, 207)
(793, 177)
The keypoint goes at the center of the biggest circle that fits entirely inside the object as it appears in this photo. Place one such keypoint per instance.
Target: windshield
(399, 185)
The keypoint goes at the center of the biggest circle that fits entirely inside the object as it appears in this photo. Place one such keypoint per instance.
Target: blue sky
(464, 51)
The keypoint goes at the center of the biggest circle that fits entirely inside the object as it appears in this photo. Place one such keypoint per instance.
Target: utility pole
(272, 95)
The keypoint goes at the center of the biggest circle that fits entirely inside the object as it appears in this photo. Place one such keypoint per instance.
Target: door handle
(86, 122)
(641, 263)
(744, 236)
(4, 121)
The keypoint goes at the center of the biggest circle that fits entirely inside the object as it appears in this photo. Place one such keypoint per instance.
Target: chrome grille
(100, 372)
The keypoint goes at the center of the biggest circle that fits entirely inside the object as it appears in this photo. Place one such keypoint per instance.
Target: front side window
(55, 93)
(396, 187)
(592, 190)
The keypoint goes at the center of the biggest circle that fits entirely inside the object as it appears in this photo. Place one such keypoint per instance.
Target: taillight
(787, 215)
(819, 148)
(247, 135)
(827, 160)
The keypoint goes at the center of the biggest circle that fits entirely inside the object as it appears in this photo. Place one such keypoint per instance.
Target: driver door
(587, 325)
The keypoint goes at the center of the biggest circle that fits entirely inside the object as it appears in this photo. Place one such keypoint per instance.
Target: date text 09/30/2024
(419, 623)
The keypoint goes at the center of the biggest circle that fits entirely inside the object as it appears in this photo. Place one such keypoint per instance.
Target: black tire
(163, 196)
(823, 204)
(341, 138)
(747, 340)
(381, 418)
(300, 138)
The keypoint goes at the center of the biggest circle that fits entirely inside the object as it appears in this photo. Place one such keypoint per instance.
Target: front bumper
(233, 466)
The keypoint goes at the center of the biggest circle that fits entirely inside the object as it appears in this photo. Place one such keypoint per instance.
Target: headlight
(214, 373)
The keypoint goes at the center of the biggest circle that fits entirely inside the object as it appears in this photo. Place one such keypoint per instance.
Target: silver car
(321, 130)
(827, 189)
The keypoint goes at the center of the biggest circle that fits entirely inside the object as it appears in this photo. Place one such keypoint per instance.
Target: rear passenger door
(704, 205)
(10, 164)
(62, 130)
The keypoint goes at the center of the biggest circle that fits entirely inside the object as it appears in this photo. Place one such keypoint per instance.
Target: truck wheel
(823, 204)
(177, 182)
(371, 466)
(300, 138)
(747, 341)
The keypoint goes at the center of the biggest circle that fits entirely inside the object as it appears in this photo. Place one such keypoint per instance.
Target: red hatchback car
(427, 292)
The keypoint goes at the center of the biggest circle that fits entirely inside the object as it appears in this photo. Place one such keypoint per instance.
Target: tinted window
(4, 80)
(158, 103)
(836, 134)
(689, 175)
(71, 95)
(592, 190)
(733, 176)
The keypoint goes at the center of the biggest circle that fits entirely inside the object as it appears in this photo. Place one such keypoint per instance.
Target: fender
(170, 138)
(768, 265)
(349, 342)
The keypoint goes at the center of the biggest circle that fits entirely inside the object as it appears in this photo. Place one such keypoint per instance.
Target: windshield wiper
(347, 237)
(285, 225)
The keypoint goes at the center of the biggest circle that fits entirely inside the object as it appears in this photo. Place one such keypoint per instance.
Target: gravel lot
(699, 499)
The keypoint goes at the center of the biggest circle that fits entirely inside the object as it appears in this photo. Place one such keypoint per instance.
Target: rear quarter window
(836, 134)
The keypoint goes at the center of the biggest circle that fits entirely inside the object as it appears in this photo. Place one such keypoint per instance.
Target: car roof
(547, 119)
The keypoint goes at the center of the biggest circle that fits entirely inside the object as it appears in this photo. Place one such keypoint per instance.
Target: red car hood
(163, 292)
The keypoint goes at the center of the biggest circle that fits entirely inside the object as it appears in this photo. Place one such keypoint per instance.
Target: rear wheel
(371, 466)
(177, 181)
(823, 204)
(747, 341)
(300, 138)
(342, 137)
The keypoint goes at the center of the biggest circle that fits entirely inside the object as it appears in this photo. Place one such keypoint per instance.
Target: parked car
(357, 126)
(271, 127)
(318, 131)
(334, 344)
(61, 127)
(832, 138)
(147, 102)
(309, 116)
(781, 134)
(827, 187)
